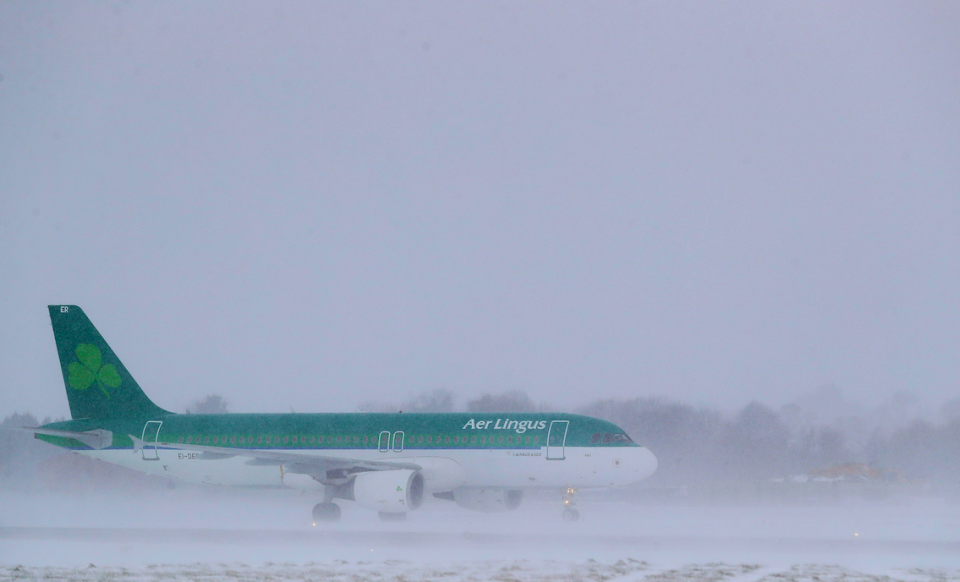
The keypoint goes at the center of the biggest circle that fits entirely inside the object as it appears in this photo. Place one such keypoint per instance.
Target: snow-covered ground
(215, 534)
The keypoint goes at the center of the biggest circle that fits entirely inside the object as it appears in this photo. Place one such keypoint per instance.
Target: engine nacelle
(489, 500)
(394, 491)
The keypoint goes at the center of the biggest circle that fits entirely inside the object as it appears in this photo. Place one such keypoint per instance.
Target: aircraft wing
(325, 469)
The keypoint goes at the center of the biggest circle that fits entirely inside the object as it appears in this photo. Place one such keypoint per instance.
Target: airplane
(384, 462)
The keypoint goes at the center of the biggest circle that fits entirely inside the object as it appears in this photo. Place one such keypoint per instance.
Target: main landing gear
(570, 512)
(326, 512)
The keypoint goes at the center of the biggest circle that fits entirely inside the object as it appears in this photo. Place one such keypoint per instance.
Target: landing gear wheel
(385, 516)
(569, 496)
(326, 512)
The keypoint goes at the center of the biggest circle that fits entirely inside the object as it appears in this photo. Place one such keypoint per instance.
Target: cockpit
(608, 438)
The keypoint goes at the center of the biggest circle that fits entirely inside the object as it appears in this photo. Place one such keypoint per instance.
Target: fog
(728, 228)
(758, 494)
(312, 205)
(79, 519)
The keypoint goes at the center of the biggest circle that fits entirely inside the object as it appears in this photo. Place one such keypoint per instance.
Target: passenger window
(536, 439)
(429, 439)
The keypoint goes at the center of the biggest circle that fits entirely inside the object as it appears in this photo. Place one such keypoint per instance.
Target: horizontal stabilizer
(95, 439)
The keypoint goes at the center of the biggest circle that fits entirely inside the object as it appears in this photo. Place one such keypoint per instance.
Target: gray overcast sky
(315, 204)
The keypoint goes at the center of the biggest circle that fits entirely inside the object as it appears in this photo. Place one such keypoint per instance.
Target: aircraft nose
(644, 464)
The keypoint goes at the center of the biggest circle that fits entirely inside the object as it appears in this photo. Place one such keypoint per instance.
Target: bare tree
(211, 404)
(512, 401)
(437, 400)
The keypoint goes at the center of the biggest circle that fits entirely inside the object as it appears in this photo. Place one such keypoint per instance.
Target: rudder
(98, 385)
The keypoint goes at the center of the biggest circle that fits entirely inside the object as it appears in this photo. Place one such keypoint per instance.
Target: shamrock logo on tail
(90, 369)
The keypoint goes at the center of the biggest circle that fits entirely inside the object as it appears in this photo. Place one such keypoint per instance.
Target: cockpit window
(607, 438)
(595, 439)
(618, 437)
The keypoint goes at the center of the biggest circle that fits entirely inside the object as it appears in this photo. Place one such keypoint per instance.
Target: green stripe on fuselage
(356, 430)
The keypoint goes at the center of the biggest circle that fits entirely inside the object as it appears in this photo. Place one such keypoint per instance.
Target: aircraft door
(151, 432)
(556, 438)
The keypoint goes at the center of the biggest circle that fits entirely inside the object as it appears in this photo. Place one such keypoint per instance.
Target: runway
(414, 540)
(182, 527)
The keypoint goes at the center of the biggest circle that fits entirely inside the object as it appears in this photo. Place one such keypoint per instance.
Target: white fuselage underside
(443, 470)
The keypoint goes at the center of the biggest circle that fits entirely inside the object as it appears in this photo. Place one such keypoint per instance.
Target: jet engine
(488, 500)
(393, 491)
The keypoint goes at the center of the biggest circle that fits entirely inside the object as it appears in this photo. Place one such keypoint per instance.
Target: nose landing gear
(570, 512)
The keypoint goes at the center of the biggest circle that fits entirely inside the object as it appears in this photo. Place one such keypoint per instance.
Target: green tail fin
(98, 385)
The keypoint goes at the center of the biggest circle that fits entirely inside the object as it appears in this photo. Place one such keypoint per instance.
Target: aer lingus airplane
(383, 462)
